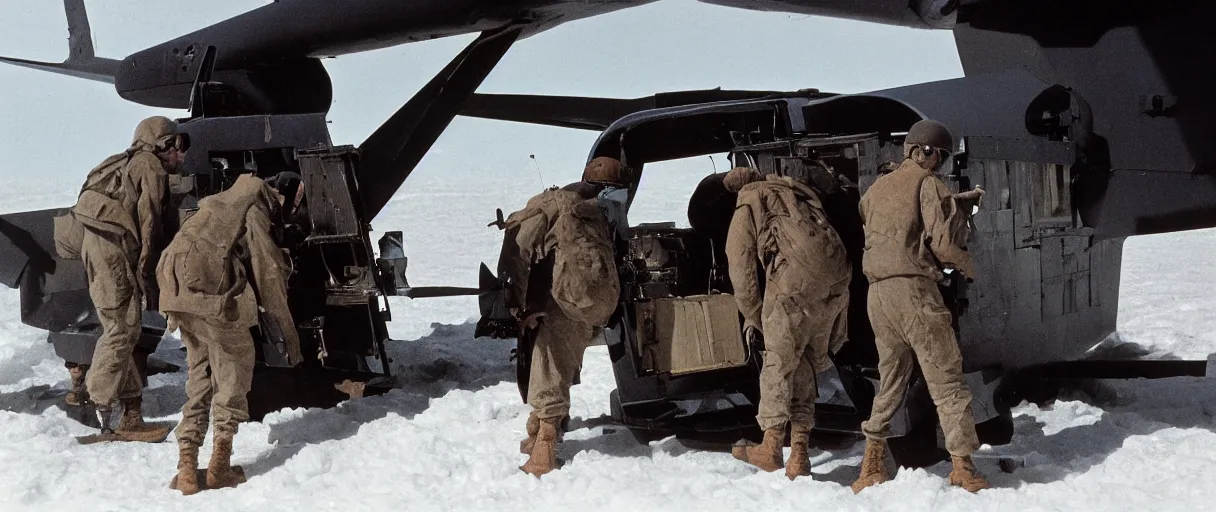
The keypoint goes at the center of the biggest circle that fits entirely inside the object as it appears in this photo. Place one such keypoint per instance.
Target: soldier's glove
(531, 320)
(970, 199)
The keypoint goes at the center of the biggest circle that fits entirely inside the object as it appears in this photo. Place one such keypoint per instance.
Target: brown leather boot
(186, 479)
(132, 415)
(767, 455)
(873, 465)
(77, 394)
(543, 457)
(533, 426)
(220, 471)
(966, 476)
(800, 452)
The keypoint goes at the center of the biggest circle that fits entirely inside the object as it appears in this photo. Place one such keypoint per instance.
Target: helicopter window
(665, 188)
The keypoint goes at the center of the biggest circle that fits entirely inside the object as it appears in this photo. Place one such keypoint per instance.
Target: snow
(447, 439)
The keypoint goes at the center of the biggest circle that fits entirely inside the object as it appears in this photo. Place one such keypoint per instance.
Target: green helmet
(930, 133)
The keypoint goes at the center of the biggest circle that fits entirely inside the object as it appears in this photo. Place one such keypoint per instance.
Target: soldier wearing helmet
(605, 178)
(558, 253)
(913, 234)
(120, 210)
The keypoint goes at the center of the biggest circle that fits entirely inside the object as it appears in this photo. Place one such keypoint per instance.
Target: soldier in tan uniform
(120, 208)
(791, 277)
(914, 230)
(571, 227)
(219, 270)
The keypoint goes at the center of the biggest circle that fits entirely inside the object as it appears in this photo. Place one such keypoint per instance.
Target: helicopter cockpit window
(666, 187)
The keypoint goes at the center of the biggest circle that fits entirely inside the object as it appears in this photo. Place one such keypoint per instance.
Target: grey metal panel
(1164, 49)
(1077, 264)
(1143, 202)
(1052, 274)
(26, 238)
(991, 304)
(993, 176)
(326, 186)
(1023, 204)
(1107, 257)
(992, 105)
(251, 133)
(1028, 297)
(1025, 150)
(13, 263)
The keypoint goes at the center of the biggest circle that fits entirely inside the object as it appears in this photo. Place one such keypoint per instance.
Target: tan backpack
(585, 282)
(795, 221)
(105, 179)
(558, 224)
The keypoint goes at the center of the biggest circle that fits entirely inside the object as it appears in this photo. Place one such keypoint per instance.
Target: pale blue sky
(55, 128)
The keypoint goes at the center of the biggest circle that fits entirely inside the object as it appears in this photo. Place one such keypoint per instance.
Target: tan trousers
(112, 374)
(911, 324)
(797, 338)
(220, 358)
(556, 359)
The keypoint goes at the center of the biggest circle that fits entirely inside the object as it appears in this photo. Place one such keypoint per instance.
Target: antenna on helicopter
(711, 160)
(538, 173)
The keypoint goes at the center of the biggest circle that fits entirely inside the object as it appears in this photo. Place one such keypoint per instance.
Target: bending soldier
(914, 230)
(120, 211)
(791, 278)
(570, 231)
(221, 269)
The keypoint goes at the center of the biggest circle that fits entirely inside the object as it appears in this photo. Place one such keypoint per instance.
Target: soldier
(120, 210)
(221, 269)
(709, 212)
(913, 232)
(780, 234)
(572, 229)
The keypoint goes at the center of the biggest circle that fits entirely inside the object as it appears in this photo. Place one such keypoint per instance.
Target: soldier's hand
(970, 199)
(531, 321)
(965, 274)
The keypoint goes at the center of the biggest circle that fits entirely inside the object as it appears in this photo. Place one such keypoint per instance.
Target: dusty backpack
(585, 282)
(794, 228)
(107, 180)
(567, 240)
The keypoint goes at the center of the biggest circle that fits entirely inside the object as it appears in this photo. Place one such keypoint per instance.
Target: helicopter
(1047, 94)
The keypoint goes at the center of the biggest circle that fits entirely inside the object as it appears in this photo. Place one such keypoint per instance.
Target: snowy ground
(447, 439)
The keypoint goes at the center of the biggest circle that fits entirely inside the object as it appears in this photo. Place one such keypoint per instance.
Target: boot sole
(203, 485)
(150, 433)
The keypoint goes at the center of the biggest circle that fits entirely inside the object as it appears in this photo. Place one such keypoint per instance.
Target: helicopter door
(1041, 270)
